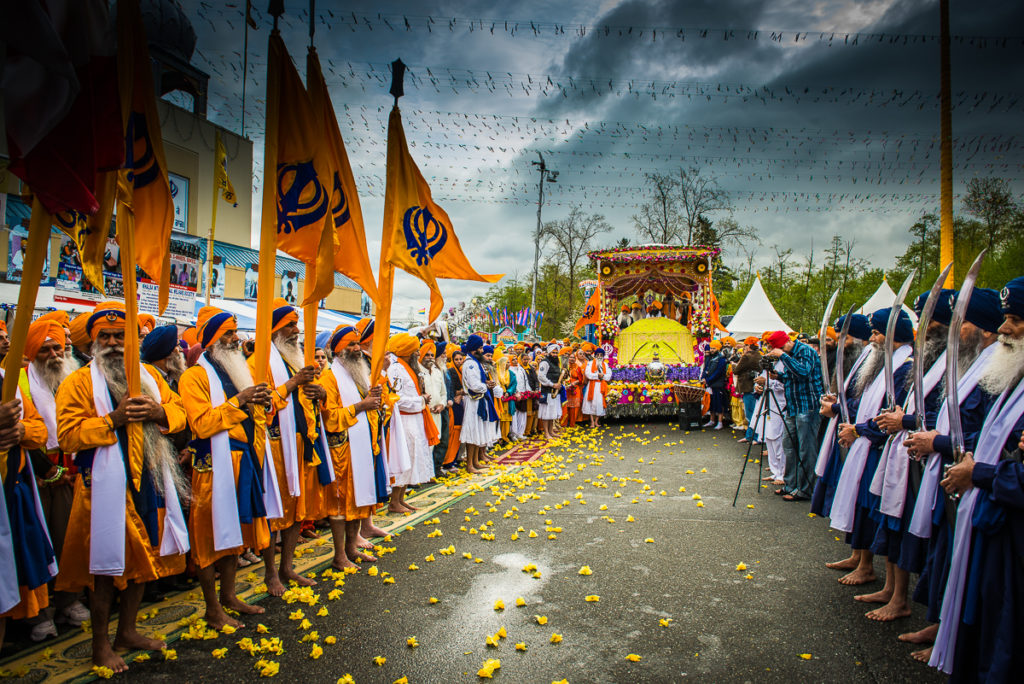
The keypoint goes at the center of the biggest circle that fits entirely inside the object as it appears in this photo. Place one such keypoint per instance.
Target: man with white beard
(47, 369)
(230, 468)
(79, 343)
(301, 457)
(434, 386)
(518, 429)
(982, 617)
(421, 433)
(118, 536)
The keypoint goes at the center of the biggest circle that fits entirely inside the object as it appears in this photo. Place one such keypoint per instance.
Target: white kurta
(475, 430)
(519, 417)
(552, 408)
(410, 404)
(433, 387)
(595, 371)
(774, 430)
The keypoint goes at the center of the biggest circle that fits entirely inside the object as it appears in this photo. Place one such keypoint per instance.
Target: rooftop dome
(168, 28)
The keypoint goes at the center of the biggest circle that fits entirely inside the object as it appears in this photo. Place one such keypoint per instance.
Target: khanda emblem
(140, 158)
(73, 223)
(589, 311)
(1004, 298)
(424, 234)
(301, 199)
(340, 210)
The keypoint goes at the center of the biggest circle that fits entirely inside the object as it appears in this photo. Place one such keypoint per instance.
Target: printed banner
(252, 276)
(179, 196)
(16, 256)
(290, 287)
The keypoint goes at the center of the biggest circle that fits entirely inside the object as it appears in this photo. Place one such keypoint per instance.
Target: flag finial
(397, 79)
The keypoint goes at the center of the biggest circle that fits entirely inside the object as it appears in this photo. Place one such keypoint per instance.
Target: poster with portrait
(290, 287)
(217, 276)
(252, 276)
(16, 256)
(364, 304)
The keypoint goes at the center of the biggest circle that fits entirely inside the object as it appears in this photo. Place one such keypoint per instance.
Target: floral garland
(699, 252)
(637, 372)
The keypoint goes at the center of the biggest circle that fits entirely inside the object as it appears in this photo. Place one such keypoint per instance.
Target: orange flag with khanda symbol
(591, 312)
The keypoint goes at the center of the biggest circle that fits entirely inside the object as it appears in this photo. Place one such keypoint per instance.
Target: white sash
(890, 481)
(286, 421)
(45, 403)
(1000, 421)
(828, 444)
(359, 438)
(107, 526)
(845, 502)
(227, 528)
(921, 521)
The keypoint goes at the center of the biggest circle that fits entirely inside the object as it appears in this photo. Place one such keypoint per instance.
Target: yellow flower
(556, 638)
(169, 654)
(630, 518)
(261, 628)
(499, 605)
(741, 567)
(488, 668)
(330, 640)
(593, 598)
(305, 624)
(389, 580)
(432, 600)
(103, 672)
(430, 558)
(478, 560)
(492, 640)
(467, 556)
(682, 489)
(372, 571)
(536, 575)
(322, 612)
(219, 653)
(379, 661)
(335, 594)
(805, 656)
(649, 540)
(700, 504)
(316, 652)
(748, 576)
(664, 622)
(633, 657)
(602, 507)
(228, 629)
(529, 567)
(270, 668)
(411, 642)
(585, 570)
(515, 536)
(142, 657)
(520, 602)
(541, 619)
(297, 615)
(346, 679)
(532, 535)
(696, 497)
(401, 680)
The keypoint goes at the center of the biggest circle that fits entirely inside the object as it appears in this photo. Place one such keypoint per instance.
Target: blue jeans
(800, 457)
(749, 401)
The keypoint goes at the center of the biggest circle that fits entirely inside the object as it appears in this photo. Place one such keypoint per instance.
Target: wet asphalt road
(721, 625)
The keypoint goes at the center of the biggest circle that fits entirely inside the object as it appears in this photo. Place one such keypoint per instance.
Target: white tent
(756, 314)
(883, 299)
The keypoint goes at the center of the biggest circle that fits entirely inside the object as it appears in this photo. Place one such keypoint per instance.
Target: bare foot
(396, 508)
(372, 531)
(105, 657)
(365, 543)
(472, 471)
(409, 507)
(889, 612)
(239, 606)
(274, 585)
(342, 563)
(133, 641)
(848, 564)
(858, 576)
(922, 636)
(356, 554)
(292, 576)
(922, 656)
(220, 618)
(881, 596)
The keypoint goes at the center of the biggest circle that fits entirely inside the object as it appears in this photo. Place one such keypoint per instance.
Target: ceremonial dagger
(922, 335)
(956, 432)
(840, 371)
(890, 334)
(822, 336)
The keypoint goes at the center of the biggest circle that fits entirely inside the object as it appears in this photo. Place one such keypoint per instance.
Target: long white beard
(869, 369)
(357, 368)
(175, 366)
(231, 359)
(52, 372)
(1005, 367)
(290, 350)
(158, 452)
(71, 363)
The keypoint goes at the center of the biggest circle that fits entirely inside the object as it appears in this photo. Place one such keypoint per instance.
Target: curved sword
(890, 333)
(922, 335)
(822, 336)
(956, 433)
(840, 370)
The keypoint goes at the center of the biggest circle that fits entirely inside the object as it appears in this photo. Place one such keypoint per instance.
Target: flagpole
(126, 240)
(245, 61)
(213, 220)
(945, 145)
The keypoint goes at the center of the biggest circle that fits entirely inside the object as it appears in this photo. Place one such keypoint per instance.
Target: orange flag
(348, 253)
(591, 312)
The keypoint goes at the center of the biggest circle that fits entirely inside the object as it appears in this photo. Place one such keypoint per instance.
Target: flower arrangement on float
(637, 372)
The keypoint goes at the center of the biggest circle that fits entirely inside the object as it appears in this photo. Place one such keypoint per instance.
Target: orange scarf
(592, 383)
(433, 435)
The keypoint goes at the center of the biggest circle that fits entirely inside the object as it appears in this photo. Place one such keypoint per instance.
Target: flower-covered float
(657, 307)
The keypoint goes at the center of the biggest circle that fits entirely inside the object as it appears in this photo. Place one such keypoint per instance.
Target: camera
(767, 363)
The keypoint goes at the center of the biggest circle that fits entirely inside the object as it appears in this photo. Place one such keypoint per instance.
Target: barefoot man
(348, 409)
(479, 420)
(120, 538)
(226, 415)
(367, 530)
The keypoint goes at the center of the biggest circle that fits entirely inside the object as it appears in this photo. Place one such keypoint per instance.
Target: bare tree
(809, 264)
(728, 230)
(782, 258)
(572, 237)
(699, 195)
(990, 200)
(658, 220)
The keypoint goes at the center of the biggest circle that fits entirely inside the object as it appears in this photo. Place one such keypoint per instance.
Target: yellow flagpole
(309, 317)
(126, 240)
(945, 146)
(213, 220)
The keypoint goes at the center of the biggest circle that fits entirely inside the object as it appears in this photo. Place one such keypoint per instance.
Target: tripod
(767, 400)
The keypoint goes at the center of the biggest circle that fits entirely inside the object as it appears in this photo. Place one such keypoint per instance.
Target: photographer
(743, 374)
(769, 425)
(801, 377)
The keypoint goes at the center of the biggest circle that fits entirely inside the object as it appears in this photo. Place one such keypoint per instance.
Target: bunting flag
(220, 170)
(591, 312)
(348, 253)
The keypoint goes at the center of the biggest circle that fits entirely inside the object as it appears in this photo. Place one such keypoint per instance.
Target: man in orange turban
(109, 546)
(147, 322)
(5, 341)
(233, 483)
(420, 432)
(79, 339)
(301, 457)
(435, 384)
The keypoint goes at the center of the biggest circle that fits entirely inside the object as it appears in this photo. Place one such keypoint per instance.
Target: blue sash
(33, 552)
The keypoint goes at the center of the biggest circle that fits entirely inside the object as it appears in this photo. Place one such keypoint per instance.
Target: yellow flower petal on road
(499, 605)
(432, 600)
(389, 580)
(219, 653)
(262, 629)
(541, 619)
(741, 567)
(379, 661)
(502, 632)
(633, 657)
(649, 540)
(700, 504)
(322, 612)
(593, 598)
(346, 679)
(520, 601)
(430, 558)
(401, 680)
(316, 652)
(585, 570)
(630, 518)
(556, 638)
(521, 646)
(748, 576)
(330, 640)
(411, 642)
(805, 656)
(372, 571)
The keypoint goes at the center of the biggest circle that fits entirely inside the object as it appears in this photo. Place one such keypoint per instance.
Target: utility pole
(551, 176)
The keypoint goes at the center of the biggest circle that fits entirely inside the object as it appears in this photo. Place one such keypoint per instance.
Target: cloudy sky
(819, 116)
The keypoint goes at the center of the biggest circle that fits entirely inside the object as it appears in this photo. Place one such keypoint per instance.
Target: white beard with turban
(52, 371)
(358, 369)
(1005, 367)
(870, 368)
(175, 366)
(71, 363)
(290, 350)
(158, 452)
(230, 358)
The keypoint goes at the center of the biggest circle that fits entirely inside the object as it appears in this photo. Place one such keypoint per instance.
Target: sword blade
(840, 366)
(890, 334)
(956, 433)
(822, 336)
(922, 335)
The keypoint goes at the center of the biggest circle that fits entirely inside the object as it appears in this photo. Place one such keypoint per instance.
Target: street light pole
(551, 177)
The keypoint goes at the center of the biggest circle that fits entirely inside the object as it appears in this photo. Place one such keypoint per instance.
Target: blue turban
(159, 344)
(1011, 299)
(943, 307)
(488, 349)
(983, 309)
(472, 344)
(904, 326)
(323, 340)
(439, 348)
(860, 327)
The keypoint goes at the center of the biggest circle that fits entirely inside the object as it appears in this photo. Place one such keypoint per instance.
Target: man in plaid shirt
(801, 377)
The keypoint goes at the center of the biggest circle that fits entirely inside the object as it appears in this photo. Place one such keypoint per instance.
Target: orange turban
(428, 347)
(38, 332)
(731, 341)
(365, 327)
(78, 335)
(588, 347)
(106, 316)
(61, 317)
(284, 313)
(715, 344)
(830, 332)
(147, 321)
(212, 325)
(766, 334)
(657, 305)
(451, 349)
(751, 340)
(190, 336)
(403, 345)
(3, 327)
(343, 336)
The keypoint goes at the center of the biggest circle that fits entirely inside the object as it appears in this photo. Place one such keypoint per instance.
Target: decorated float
(657, 308)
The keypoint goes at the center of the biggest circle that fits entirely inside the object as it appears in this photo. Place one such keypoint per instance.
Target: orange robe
(206, 421)
(32, 600)
(340, 495)
(574, 395)
(80, 428)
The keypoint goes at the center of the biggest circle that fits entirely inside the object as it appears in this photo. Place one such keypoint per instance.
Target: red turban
(778, 339)
(40, 331)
